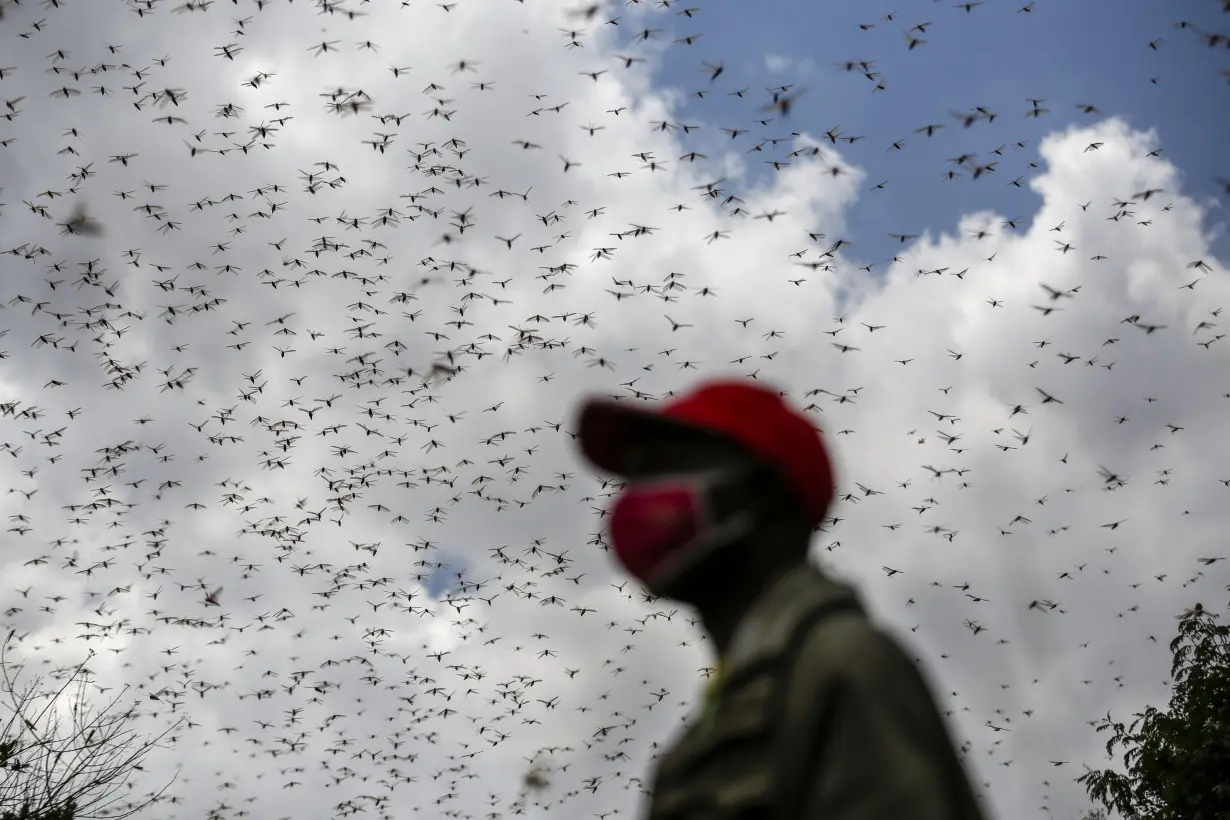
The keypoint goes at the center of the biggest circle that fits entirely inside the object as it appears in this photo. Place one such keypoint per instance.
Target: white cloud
(429, 460)
(781, 64)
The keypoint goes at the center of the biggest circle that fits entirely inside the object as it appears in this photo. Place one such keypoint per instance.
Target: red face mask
(657, 525)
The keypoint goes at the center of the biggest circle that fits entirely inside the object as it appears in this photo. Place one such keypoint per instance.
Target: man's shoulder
(791, 609)
(847, 658)
(852, 649)
(843, 642)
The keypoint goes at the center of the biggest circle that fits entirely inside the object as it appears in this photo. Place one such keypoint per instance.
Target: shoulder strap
(769, 632)
(793, 767)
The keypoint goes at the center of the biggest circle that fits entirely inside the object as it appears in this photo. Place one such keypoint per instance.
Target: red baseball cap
(741, 411)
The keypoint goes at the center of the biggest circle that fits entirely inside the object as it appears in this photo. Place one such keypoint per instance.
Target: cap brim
(607, 430)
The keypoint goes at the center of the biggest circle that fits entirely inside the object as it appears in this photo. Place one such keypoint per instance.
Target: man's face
(757, 492)
(681, 452)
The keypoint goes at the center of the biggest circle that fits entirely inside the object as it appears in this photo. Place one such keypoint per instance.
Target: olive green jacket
(821, 715)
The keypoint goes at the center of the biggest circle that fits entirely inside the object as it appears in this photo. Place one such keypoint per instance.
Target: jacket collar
(768, 621)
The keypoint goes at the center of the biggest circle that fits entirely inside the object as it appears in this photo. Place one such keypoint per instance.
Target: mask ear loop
(693, 554)
(717, 534)
(744, 477)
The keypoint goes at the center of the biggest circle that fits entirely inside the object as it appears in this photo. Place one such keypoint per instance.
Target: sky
(282, 322)
(1126, 60)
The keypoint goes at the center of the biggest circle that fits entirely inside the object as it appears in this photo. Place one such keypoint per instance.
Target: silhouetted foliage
(62, 757)
(1177, 761)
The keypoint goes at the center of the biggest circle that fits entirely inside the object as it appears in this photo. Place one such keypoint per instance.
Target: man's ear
(768, 486)
(775, 498)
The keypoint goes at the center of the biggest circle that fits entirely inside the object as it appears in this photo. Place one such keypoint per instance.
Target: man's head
(755, 485)
(777, 533)
(759, 476)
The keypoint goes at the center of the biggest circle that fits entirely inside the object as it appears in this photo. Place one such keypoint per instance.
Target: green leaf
(1175, 760)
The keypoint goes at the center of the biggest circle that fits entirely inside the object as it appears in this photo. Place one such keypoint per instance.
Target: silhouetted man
(813, 712)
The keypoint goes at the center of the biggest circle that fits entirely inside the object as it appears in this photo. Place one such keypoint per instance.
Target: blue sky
(442, 580)
(1096, 52)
